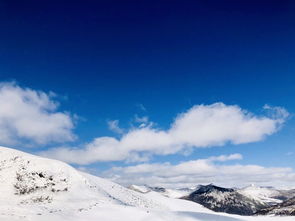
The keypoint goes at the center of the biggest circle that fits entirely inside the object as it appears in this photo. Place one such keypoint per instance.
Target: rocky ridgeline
(226, 200)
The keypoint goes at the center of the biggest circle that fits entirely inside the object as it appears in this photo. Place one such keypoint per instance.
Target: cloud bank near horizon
(201, 126)
(202, 171)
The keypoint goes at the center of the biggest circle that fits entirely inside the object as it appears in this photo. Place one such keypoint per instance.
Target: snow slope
(140, 189)
(171, 193)
(28, 181)
(266, 195)
(38, 189)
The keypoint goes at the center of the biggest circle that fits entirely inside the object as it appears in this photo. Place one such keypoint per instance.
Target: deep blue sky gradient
(105, 58)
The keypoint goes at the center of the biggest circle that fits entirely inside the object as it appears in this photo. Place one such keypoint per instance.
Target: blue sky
(114, 60)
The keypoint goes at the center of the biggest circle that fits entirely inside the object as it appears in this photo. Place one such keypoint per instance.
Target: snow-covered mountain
(246, 201)
(227, 200)
(38, 189)
(267, 195)
(140, 189)
(27, 182)
(286, 208)
(171, 193)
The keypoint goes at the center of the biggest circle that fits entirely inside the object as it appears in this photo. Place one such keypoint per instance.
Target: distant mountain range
(251, 200)
(226, 200)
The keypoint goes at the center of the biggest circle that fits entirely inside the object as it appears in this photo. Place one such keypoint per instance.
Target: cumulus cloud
(202, 171)
(30, 115)
(200, 127)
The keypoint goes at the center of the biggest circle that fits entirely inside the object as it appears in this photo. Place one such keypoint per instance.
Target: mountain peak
(210, 188)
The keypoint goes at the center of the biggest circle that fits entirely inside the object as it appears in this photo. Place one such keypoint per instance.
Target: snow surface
(140, 189)
(38, 189)
(263, 194)
(171, 193)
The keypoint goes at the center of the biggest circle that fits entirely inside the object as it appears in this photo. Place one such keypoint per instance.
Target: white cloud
(114, 126)
(30, 115)
(276, 112)
(199, 127)
(143, 119)
(202, 171)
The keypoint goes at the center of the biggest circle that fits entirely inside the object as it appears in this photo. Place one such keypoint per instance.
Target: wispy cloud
(143, 119)
(199, 127)
(141, 107)
(31, 116)
(114, 126)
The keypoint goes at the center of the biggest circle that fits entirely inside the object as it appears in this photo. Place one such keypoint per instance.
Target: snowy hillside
(268, 195)
(140, 189)
(38, 189)
(171, 193)
(27, 181)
